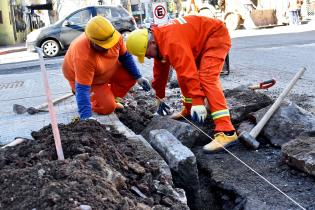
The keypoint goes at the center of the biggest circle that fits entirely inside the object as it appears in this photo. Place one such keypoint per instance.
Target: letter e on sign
(160, 12)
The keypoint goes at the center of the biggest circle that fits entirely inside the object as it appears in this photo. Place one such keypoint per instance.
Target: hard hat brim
(141, 59)
(109, 43)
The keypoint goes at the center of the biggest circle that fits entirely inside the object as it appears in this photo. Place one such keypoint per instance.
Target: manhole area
(11, 85)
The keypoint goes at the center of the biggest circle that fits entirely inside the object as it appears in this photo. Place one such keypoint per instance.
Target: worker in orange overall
(99, 69)
(196, 47)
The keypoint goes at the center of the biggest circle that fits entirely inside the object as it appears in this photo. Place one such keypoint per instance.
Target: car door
(107, 13)
(74, 25)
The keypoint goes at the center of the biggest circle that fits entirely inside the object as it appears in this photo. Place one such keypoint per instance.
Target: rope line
(253, 170)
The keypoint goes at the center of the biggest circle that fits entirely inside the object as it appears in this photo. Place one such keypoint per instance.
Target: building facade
(13, 27)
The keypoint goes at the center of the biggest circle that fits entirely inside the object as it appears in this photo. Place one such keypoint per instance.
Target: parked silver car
(57, 37)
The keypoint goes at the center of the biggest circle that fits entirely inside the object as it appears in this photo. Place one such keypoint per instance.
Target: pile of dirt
(138, 112)
(102, 169)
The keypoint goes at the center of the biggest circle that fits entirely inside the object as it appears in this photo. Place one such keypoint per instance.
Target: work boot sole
(220, 149)
(119, 106)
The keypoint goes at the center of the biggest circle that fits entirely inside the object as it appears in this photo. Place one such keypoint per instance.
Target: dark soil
(139, 110)
(101, 169)
(236, 187)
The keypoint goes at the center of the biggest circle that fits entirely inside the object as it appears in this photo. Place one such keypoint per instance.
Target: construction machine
(252, 13)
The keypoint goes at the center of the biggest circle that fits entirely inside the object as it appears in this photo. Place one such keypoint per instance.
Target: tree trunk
(127, 5)
(53, 14)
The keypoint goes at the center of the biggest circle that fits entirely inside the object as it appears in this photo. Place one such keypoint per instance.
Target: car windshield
(81, 17)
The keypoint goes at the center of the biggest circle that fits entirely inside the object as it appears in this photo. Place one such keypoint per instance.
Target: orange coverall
(196, 47)
(102, 71)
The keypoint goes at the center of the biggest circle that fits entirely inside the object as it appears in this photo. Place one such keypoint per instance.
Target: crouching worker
(196, 47)
(99, 69)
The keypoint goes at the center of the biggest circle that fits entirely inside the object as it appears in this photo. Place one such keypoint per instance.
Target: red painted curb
(13, 50)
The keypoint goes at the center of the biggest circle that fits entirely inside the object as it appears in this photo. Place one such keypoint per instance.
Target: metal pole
(256, 130)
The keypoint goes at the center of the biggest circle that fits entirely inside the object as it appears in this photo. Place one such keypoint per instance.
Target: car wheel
(125, 35)
(50, 48)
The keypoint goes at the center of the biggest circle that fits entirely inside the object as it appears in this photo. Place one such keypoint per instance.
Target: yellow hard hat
(137, 43)
(101, 32)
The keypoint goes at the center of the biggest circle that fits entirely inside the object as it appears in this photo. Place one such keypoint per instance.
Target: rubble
(225, 183)
(184, 132)
(242, 101)
(104, 167)
(300, 153)
(236, 187)
(287, 123)
(181, 161)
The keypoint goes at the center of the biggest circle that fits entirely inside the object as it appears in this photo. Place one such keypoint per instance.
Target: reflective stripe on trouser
(187, 102)
(209, 75)
(103, 96)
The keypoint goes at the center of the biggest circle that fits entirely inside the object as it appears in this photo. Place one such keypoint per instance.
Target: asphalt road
(279, 56)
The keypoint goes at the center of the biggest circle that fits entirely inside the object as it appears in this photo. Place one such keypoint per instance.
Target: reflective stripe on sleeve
(181, 20)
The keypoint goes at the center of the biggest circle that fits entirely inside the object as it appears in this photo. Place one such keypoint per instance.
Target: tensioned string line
(237, 158)
(245, 164)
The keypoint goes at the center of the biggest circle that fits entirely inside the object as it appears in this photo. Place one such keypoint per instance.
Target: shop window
(1, 21)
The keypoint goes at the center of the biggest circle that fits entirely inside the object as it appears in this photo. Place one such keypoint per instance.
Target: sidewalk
(28, 90)
(12, 48)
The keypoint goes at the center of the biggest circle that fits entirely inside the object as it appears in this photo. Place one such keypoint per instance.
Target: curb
(28, 65)
(13, 50)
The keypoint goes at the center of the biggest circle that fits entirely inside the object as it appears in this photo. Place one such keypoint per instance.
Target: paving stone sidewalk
(28, 90)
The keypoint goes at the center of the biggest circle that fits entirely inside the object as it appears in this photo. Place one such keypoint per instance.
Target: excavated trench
(219, 173)
(123, 174)
(139, 110)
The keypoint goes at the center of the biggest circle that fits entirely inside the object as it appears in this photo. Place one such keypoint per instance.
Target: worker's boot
(119, 105)
(221, 139)
(179, 115)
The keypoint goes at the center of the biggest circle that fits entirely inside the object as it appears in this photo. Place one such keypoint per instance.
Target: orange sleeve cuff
(197, 101)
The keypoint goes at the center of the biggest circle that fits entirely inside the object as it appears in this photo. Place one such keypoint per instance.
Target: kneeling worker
(196, 47)
(99, 69)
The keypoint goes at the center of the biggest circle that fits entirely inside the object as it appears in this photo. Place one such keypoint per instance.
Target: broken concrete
(181, 161)
(242, 101)
(288, 122)
(300, 153)
(245, 126)
(184, 132)
(227, 184)
(236, 187)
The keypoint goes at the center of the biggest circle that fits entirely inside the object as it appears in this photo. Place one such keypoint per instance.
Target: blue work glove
(163, 108)
(198, 113)
(82, 94)
(144, 83)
